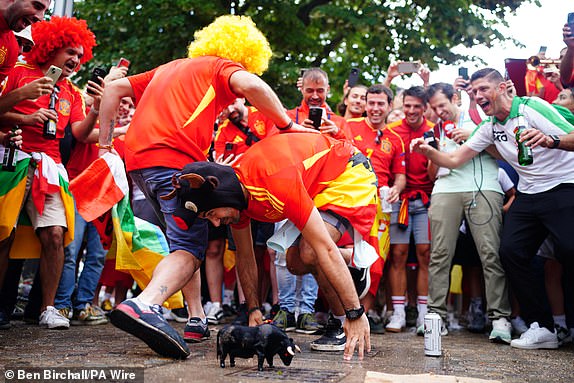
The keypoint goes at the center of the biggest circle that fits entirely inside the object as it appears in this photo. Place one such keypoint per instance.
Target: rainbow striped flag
(51, 178)
(137, 245)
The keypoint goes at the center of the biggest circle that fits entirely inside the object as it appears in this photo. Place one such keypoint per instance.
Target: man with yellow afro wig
(177, 104)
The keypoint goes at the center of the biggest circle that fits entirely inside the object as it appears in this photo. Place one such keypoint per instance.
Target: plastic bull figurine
(264, 341)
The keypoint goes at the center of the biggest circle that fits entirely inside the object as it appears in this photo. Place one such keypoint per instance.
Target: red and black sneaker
(195, 330)
(150, 326)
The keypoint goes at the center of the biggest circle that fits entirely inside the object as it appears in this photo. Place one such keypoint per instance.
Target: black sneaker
(334, 338)
(151, 327)
(285, 320)
(361, 279)
(4, 319)
(195, 331)
(376, 326)
(274, 310)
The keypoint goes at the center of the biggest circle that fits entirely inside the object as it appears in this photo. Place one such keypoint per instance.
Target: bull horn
(167, 197)
(297, 349)
(191, 206)
(195, 180)
(290, 351)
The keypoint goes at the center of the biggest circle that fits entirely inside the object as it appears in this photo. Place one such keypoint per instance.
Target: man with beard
(315, 87)
(544, 204)
(410, 214)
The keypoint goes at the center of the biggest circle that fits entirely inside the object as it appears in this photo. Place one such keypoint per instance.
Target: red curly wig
(59, 32)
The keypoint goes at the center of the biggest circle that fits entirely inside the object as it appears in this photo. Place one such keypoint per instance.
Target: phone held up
(463, 72)
(96, 74)
(571, 23)
(123, 62)
(315, 115)
(229, 149)
(54, 73)
(353, 77)
(409, 66)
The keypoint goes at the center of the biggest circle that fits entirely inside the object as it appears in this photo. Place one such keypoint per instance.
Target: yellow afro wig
(235, 38)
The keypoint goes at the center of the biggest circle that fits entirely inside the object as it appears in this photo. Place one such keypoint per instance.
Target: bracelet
(95, 111)
(108, 147)
(289, 126)
(252, 310)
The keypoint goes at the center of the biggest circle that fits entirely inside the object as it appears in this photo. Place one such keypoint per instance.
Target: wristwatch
(556, 140)
(353, 314)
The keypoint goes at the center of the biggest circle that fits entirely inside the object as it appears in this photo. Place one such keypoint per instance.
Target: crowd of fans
(450, 192)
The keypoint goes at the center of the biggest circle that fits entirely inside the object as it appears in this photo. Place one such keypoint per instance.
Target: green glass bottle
(525, 156)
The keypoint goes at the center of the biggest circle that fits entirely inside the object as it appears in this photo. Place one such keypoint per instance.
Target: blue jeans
(288, 283)
(93, 265)
(155, 182)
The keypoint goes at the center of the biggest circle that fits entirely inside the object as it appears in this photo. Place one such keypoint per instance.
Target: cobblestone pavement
(464, 355)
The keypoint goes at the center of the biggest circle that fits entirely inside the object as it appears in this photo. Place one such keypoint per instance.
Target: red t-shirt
(9, 49)
(257, 123)
(177, 104)
(298, 166)
(534, 81)
(301, 113)
(70, 108)
(387, 157)
(416, 163)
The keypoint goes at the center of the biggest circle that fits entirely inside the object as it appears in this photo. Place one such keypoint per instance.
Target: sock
(422, 305)
(399, 303)
(341, 318)
(216, 304)
(141, 304)
(560, 320)
(227, 297)
(108, 296)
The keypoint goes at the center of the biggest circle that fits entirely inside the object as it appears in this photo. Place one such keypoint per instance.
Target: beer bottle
(10, 155)
(50, 125)
(525, 156)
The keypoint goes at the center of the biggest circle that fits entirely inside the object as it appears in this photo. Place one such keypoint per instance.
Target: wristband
(252, 310)
(108, 147)
(289, 126)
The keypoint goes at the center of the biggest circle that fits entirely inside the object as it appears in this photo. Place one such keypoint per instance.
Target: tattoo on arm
(111, 131)
(162, 289)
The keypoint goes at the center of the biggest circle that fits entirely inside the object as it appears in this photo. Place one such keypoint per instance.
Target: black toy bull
(265, 340)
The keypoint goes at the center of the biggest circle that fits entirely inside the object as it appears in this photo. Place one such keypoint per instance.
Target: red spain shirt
(387, 156)
(177, 104)
(9, 49)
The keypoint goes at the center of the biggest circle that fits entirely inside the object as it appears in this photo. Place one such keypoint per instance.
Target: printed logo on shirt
(272, 214)
(386, 146)
(64, 107)
(500, 136)
(259, 127)
(3, 53)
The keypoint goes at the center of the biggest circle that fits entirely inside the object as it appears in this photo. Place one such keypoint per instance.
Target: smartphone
(353, 77)
(96, 73)
(54, 73)
(229, 149)
(302, 71)
(123, 62)
(571, 23)
(542, 50)
(315, 115)
(463, 72)
(409, 67)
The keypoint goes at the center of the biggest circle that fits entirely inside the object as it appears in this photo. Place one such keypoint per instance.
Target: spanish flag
(137, 245)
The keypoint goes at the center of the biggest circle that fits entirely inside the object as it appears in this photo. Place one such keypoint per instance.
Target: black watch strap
(556, 140)
(353, 314)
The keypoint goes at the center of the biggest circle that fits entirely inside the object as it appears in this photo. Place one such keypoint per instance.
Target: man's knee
(51, 237)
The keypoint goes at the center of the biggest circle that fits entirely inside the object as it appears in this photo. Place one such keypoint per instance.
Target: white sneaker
(397, 322)
(215, 314)
(501, 331)
(536, 337)
(53, 319)
(519, 327)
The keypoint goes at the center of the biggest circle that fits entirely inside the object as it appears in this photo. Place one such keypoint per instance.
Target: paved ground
(464, 355)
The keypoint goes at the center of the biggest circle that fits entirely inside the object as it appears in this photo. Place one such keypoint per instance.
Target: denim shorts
(155, 182)
(418, 224)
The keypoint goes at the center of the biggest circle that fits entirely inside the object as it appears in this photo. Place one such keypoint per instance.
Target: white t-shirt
(551, 167)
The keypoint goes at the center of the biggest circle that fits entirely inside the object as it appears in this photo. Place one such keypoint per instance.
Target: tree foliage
(333, 34)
